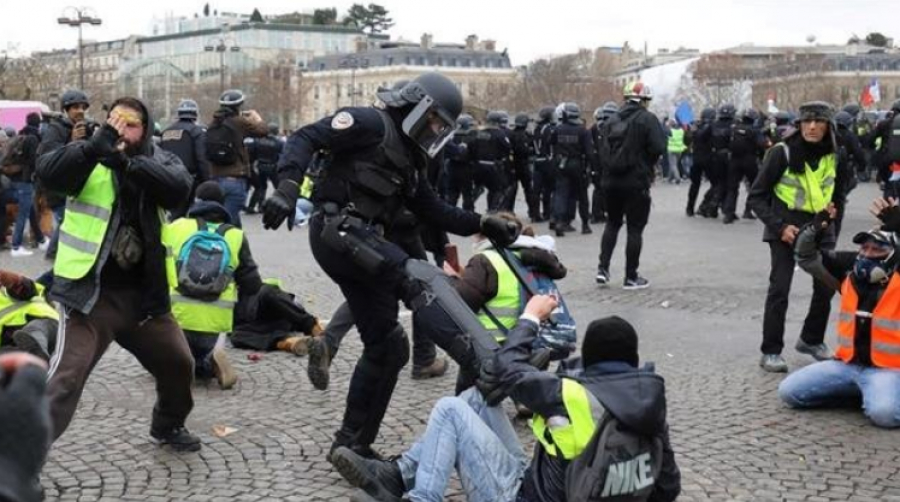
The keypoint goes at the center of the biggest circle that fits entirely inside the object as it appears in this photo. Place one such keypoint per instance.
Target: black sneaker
(689, 212)
(569, 228)
(636, 283)
(178, 438)
(586, 229)
(748, 215)
(560, 232)
(602, 276)
(363, 451)
(379, 478)
(729, 219)
(318, 368)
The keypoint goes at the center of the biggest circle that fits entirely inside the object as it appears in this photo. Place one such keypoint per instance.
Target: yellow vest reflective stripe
(85, 224)
(676, 141)
(14, 313)
(505, 305)
(585, 413)
(306, 188)
(810, 191)
(192, 313)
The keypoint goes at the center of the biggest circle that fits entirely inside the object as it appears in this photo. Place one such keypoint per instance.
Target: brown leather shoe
(433, 370)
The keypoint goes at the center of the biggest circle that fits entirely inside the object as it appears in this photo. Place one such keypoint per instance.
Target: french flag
(871, 94)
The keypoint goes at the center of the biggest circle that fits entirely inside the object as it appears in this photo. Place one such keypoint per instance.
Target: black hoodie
(649, 143)
(146, 181)
(635, 397)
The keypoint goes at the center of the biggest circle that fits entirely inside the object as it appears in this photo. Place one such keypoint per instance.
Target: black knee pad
(397, 344)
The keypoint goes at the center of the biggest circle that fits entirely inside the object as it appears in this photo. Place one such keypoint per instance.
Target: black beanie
(33, 119)
(210, 191)
(610, 339)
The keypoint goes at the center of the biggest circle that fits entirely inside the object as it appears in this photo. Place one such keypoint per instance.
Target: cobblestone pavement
(700, 322)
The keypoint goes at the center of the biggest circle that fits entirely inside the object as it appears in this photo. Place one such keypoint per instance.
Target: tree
(256, 17)
(206, 10)
(877, 39)
(325, 17)
(371, 19)
(854, 40)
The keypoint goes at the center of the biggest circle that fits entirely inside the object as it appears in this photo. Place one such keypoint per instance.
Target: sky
(529, 29)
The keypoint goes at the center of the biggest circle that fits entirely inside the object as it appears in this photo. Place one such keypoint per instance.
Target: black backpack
(223, 142)
(17, 155)
(618, 149)
(617, 465)
(743, 140)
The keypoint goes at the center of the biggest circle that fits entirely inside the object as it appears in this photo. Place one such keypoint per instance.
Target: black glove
(890, 219)
(103, 142)
(489, 384)
(23, 290)
(25, 434)
(280, 206)
(821, 221)
(499, 231)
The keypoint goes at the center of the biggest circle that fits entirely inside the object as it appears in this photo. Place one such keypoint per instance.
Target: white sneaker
(44, 244)
(19, 252)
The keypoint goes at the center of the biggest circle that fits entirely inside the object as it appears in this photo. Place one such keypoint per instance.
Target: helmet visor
(429, 126)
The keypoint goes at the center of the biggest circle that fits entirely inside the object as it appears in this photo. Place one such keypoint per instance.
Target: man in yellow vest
(110, 269)
(866, 363)
(799, 178)
(470, 435)
(27, 322)
(675, 148)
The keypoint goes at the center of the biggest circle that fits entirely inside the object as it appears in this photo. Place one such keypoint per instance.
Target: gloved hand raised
(888, 212)
(25, 434)
(103, 142)
(500, 231)
(281, 205)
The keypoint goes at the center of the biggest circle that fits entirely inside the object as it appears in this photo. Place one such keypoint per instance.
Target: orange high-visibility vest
(885, 322)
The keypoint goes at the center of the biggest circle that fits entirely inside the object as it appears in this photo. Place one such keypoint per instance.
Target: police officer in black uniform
(720, 133)
(573, 154)
(544, 173)
(700, 138)
(522, 156)
(187, 140)
(598, 204)
(459, 164)
(490, 153)
(264, 154)
(379, 159)
(748, 144)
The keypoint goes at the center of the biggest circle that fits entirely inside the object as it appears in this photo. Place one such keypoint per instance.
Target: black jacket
(650, 143)
(187, 141)
(151, 179)
(635, 397)
(774, 213)
(522, 147)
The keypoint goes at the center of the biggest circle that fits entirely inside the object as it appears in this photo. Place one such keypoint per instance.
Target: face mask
(870, 270)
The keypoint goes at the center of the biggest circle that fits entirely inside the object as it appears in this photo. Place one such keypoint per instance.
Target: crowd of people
(149, 252)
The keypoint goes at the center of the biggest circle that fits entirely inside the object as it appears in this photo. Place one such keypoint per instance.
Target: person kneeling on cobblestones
(474, 436)
(867, 360)
(110, 269)
(27, 322)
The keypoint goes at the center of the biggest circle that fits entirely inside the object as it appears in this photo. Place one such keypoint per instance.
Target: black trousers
(571, 191)
(523, 176)
(698, 170)
(739, 169)
(266, 174)
(460, 184)
(544, 186)
(631, 207)
(780, 277)
(718, 178)
(598, 200)
(492, 177)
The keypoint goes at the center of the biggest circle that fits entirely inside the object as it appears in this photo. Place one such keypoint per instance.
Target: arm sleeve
(66, 169)
(430, 208)
(761, 192)
(200, 159)
(163, 176)
(246, 276)
(477, 283)
(54, 137)
(540, 391)
(656, 138)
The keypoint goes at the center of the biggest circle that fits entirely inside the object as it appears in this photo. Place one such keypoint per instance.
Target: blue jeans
(24, 193)
(834, 383)
(235, 190)
(465, 433)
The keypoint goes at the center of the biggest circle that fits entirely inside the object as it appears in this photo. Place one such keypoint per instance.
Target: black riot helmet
(843, 119)
(546, 115)
(430, 105)
(494, 118)
(749, 116)
(727, 112)
(465, 122)
(853, 109)
(895, 106)
(188, 109)
(521, 121)
(570, 113)
(232, 98)
(783, 118)
(708, 114)
(74, 97)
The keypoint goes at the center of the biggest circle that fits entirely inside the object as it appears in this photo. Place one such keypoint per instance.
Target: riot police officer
(700, 138)
(720, 136)
(747, 146)
(459, 164)
(544, 175)
(522, 156)
(187, 140)
(490, 153)
(598, 205)
(573, 154)
(264, 153)
(378, 164)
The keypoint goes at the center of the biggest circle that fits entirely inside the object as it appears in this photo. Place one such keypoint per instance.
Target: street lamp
(76, 17)
(353, 63)
(221, 47)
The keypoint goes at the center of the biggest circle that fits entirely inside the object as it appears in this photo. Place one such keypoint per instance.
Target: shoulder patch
(341, 121)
